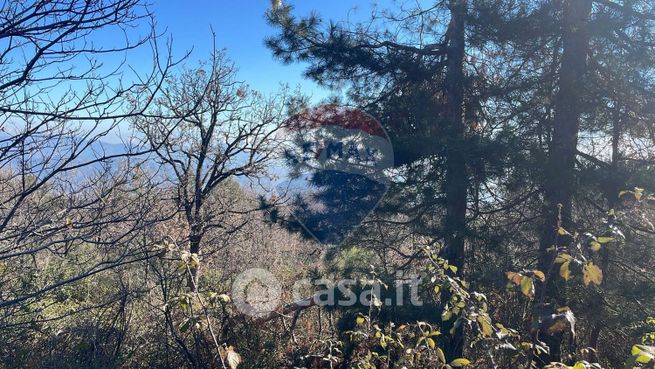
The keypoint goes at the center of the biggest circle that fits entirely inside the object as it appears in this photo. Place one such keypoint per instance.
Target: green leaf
(635, 350)
(185, 325)
(527, 286)
(194, 261)
(562, 258)
(440, 355)
(643, 354)
(460, 362)
(579, 365)
(595, 245)
(486, 328)
(540, 275)
(565, 271)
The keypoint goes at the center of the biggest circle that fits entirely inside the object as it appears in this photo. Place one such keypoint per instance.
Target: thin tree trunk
(560, 179)
(194, 270)
(457, 181)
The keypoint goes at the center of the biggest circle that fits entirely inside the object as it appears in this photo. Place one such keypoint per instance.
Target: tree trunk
(456, 182)
(194, 270)
(560, 179)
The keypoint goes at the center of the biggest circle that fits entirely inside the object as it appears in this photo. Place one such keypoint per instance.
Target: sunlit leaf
(591, 273)
(527, 286)
(561, 258)
(486, 328)
(514, 277)
(460, 362)
(565, 271)
(595, 245)
(233, 359)
(440, 355)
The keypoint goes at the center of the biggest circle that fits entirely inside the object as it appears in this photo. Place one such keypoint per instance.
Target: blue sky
(241, 28)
